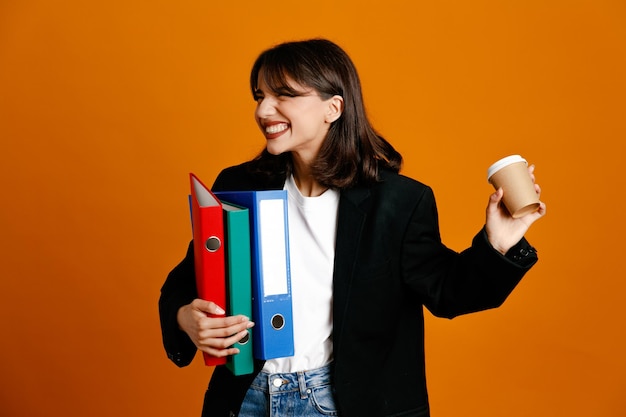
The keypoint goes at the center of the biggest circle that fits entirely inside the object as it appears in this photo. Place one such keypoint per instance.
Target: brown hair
(352, 152)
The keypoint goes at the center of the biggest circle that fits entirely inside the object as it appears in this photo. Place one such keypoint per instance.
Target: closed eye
(287, 94)
(281, 93)
(287, 91)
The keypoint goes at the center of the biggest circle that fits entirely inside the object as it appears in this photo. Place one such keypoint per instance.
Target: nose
(265, 108)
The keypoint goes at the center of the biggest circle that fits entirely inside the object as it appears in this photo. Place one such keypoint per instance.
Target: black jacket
(389, 262)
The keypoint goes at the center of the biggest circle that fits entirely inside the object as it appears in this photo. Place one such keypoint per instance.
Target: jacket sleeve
(178, 290)
(450, 283)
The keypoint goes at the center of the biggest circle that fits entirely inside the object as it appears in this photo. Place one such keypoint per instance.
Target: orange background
(106, 106)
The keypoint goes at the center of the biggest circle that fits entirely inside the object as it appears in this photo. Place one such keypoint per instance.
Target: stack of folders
(241, 250)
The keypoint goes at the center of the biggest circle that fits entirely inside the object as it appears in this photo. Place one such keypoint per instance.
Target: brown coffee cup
(511, 173)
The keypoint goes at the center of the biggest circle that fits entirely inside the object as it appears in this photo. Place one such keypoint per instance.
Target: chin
(274, 150)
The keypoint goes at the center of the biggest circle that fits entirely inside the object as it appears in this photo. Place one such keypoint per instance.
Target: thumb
(494, 200)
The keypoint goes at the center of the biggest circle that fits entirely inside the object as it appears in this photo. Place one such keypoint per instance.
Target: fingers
(542, 208)
(216, 335)
(210, 327)
(210, 330)
(538, 213)
(222, 345)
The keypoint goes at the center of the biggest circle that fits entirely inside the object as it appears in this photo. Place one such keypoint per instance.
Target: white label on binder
(273, 248)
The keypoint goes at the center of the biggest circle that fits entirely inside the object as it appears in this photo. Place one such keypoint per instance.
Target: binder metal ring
(278, 321)
(213, 243)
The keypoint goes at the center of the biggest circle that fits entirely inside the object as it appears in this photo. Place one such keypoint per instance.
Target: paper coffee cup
(511, 173)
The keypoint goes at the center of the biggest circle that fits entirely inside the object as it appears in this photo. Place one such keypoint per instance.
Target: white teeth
(276, 128)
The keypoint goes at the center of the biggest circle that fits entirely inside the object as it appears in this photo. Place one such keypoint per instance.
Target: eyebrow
(282, 90)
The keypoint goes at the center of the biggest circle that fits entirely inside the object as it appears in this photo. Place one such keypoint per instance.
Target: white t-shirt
(312, 229)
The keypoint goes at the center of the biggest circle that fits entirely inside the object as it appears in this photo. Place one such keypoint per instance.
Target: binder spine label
(273, 248)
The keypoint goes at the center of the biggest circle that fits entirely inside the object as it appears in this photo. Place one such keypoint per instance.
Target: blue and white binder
(271, 278)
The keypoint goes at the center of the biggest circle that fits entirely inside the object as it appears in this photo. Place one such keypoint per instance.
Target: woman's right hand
(213, 335)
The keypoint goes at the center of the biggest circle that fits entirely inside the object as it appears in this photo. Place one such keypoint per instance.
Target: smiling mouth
(276, 128)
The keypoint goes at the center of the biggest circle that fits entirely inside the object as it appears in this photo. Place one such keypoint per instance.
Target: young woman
(366, 255)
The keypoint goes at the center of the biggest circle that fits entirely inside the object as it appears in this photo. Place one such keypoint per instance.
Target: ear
(335, 108)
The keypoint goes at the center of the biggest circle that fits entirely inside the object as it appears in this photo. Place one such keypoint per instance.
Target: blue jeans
(297, 394)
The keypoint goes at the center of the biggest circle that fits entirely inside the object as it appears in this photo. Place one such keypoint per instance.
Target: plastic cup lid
(511, 159)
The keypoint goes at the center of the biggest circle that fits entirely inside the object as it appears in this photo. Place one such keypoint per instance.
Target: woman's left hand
(503, 231)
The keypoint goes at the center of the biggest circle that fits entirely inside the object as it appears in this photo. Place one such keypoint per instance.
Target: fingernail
(219, 310)
(250, 324)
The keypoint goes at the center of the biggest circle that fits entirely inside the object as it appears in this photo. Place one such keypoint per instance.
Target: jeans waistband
(303, 381)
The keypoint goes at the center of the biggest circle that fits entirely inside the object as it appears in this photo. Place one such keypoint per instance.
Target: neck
(309, 188)
(307, 185)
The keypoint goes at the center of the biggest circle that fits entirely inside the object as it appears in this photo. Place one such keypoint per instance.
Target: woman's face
(295, 123)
